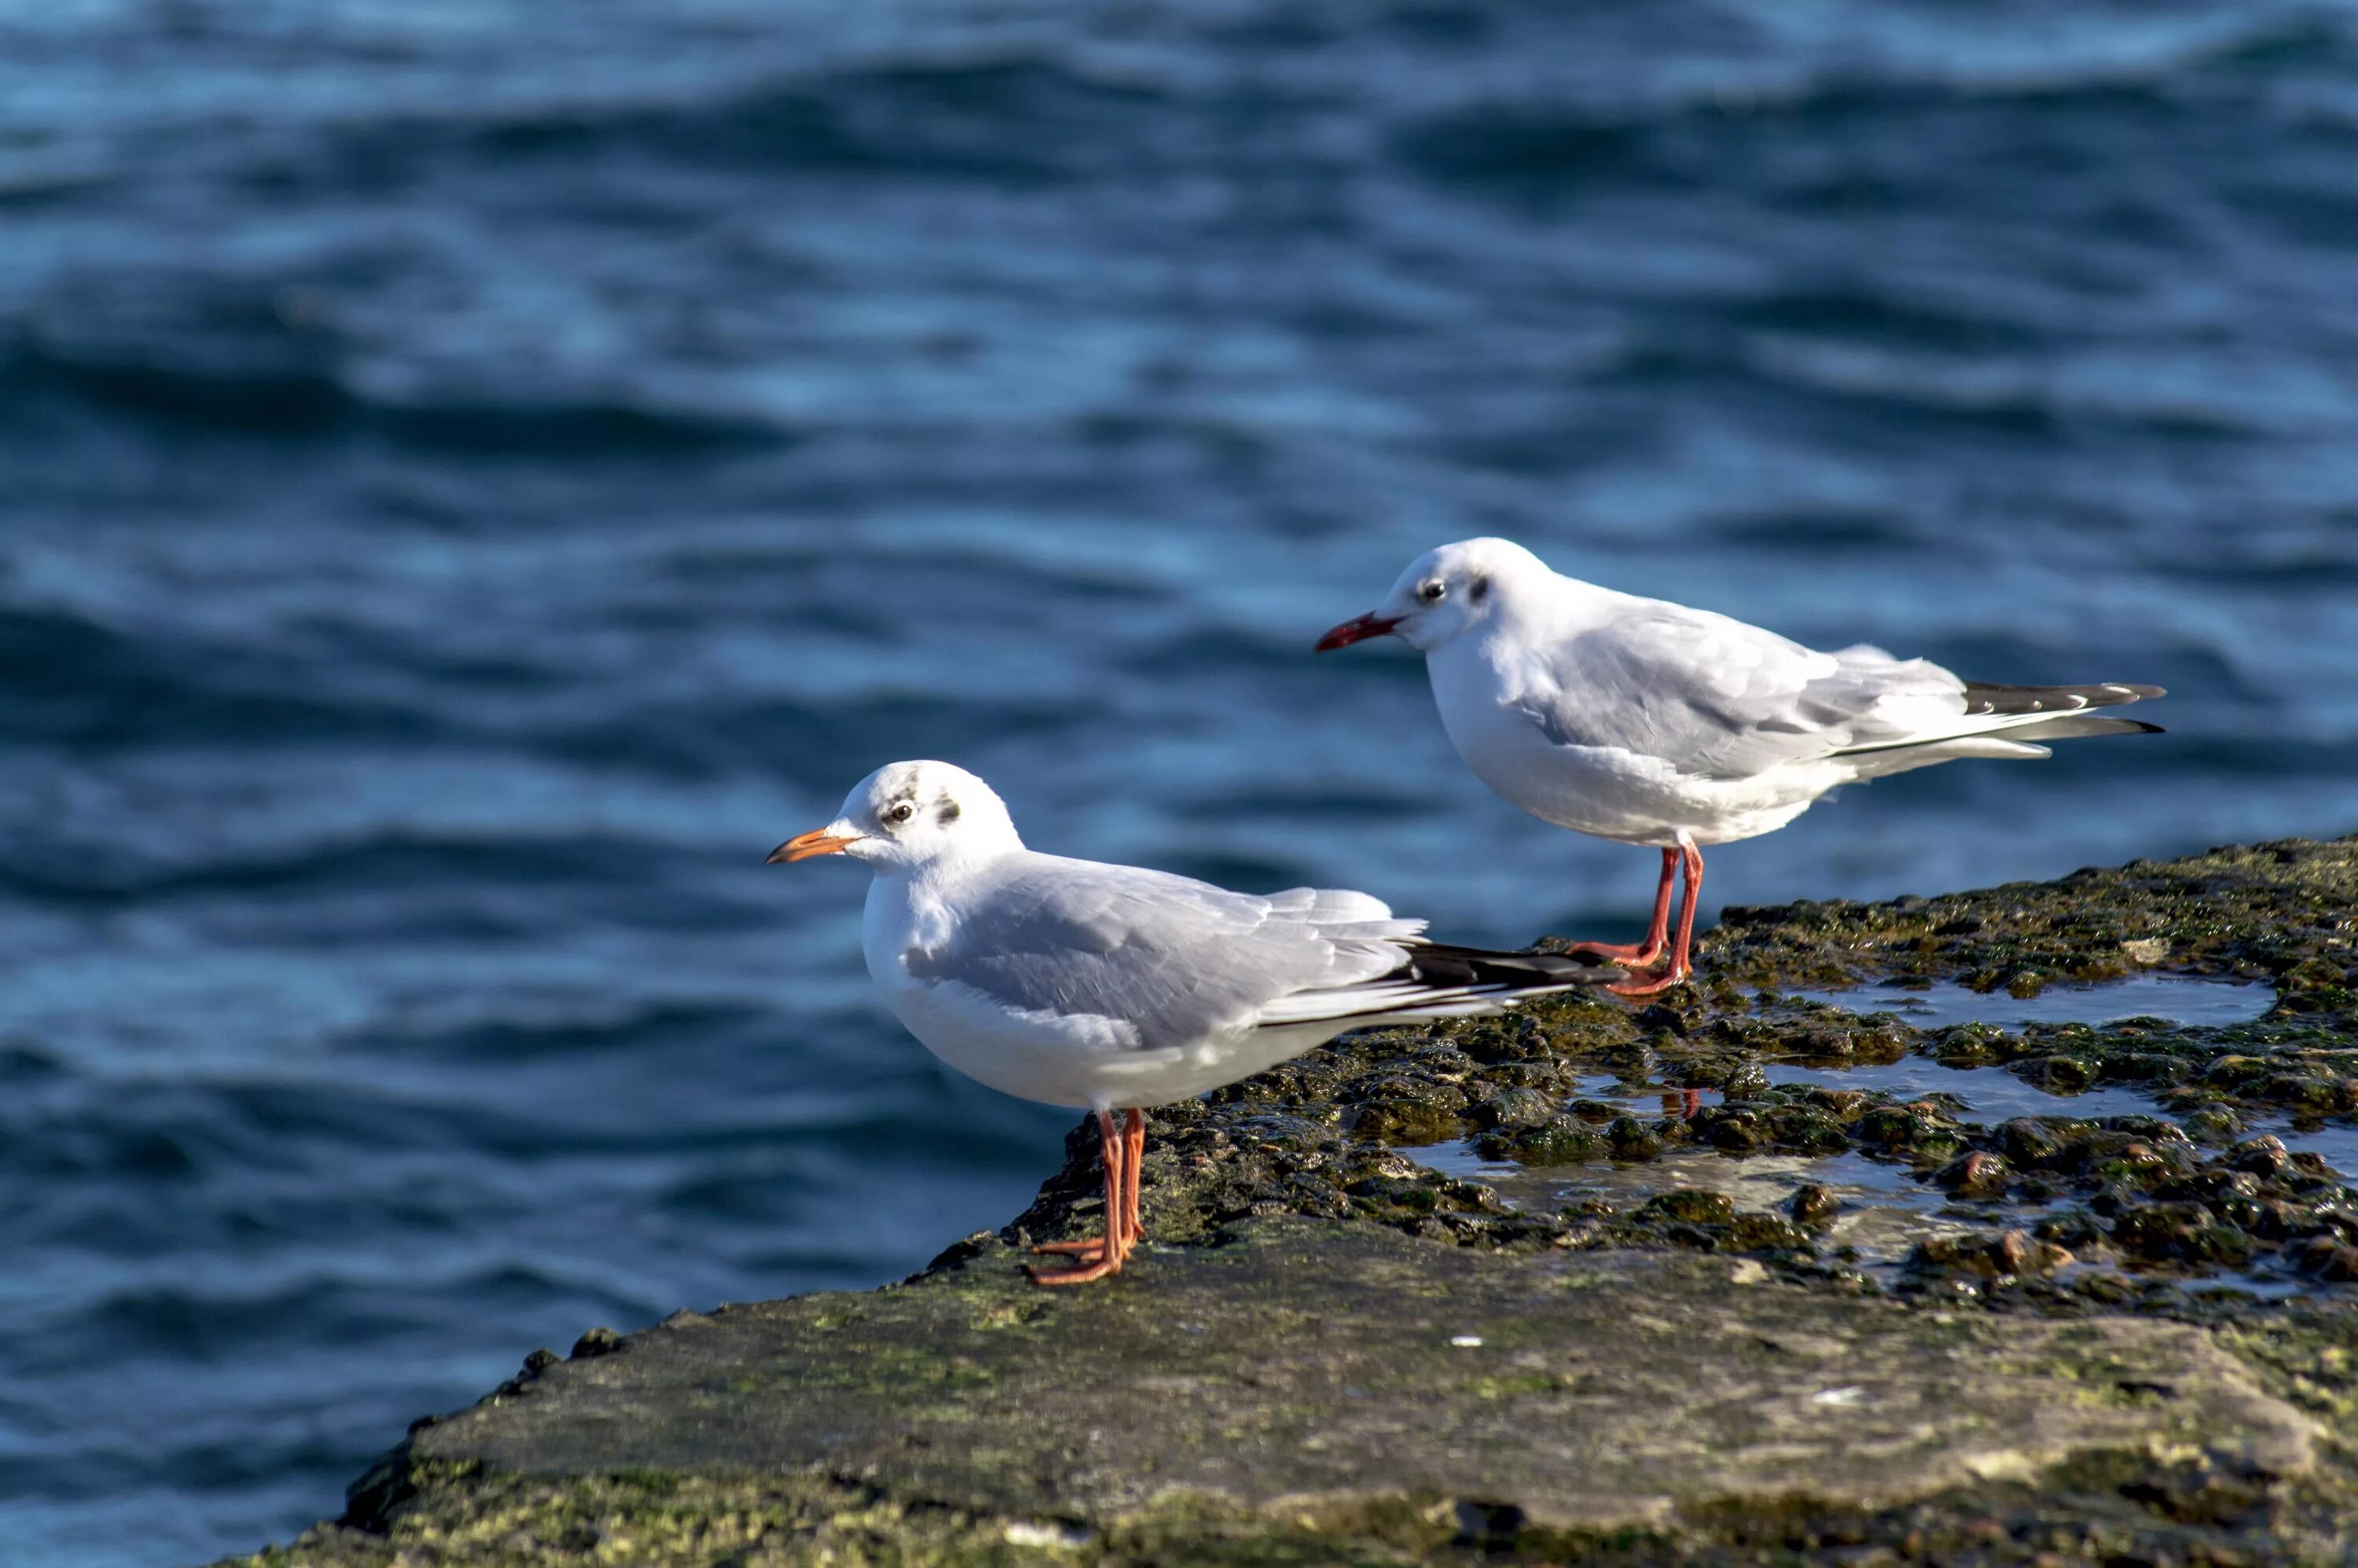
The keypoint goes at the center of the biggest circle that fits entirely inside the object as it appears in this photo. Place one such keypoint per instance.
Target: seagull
(1115, 988)
(1651, 723)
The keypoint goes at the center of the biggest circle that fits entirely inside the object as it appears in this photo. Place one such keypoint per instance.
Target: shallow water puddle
(2335, 1145)
(1986, 1094)
(1884, 1211)
(1887, 1210)
(2182, 999)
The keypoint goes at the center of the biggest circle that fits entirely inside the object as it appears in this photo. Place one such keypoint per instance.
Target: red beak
(1369, 625)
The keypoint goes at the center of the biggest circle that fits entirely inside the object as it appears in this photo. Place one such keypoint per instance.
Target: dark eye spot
(900, 812)
(1478, 589)
(947, 814)
(1430, 592)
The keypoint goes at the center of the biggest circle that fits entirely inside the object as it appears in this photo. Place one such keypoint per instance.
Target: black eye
(900, 813)
(1430, 592)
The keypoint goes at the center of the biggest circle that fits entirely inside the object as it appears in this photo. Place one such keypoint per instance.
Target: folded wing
(1179, 961)
(1174, 958)
(1720, 699)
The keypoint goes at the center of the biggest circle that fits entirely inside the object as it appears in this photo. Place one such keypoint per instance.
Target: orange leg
(1133, 1149)
(1132, 1154)
(1103, 1255)
(1681, 963)
(1646, 954)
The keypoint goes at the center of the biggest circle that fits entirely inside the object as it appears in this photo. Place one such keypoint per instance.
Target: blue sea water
(474, 475)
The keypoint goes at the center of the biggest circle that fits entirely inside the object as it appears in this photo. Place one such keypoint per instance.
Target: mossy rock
(1330, 1354)
(1559, 1140)
(1305, 1392)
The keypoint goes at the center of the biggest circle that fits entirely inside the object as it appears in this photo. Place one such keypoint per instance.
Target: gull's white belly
(1085, 1060)
(1611, 791)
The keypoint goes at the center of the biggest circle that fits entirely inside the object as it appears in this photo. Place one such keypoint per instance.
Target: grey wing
(1176, 959)
(1717, 698)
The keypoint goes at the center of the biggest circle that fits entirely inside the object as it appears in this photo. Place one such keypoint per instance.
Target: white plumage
(1651, 723)
(1116, 988)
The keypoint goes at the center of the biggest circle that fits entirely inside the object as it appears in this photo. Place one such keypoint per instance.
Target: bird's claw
(1092, 1247)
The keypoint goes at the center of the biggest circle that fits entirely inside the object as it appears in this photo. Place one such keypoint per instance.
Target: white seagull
(1651, 723)
(1114, 987)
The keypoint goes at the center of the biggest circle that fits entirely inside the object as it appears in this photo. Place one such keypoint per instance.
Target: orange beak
(804, 846)
(1354, 631)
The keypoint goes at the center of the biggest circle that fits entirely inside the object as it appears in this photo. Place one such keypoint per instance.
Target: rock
(2236, 1072)
(1814, 1204)
(1919, 1130)
(1976, 1175)
(2003, 1256)
(2029, 1142)
(1969, 1046)
(1734, 1129)
(2331, 1260)
(2263, 1156)
(1689, 1206)
(597, 1342)
(1747, 1080)
(2060, 1075)
(1513, 1108)
(1213, 1419)
(1328, 1352)
(1405, 1110)
(2214, 1124)
(1840, 1104)
(1633, 1139)
(1805, 1130)
(1560, 1140)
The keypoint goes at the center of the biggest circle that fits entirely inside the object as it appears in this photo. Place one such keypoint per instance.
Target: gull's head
(908, 814)
(1444, 593)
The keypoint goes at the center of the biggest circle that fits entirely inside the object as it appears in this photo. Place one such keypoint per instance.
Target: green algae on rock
(1309, 1379)
(1330, 1352)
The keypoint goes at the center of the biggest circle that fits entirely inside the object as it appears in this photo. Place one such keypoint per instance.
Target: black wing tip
(1446, 976)
(1998, 697)
(1487, 968)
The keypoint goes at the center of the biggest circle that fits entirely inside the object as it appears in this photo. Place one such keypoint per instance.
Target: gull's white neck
(954, 866)
(912, 906)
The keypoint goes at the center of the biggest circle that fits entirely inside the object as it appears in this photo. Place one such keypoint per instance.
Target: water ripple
(472, 487)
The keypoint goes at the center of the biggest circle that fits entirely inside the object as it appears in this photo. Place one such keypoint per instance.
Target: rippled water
(473, 477)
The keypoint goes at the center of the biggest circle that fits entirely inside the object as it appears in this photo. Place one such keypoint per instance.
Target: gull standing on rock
(1114, 987)
(1651, 723)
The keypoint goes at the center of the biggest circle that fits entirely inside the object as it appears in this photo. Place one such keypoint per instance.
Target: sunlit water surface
(473, 477)
(2172, 999)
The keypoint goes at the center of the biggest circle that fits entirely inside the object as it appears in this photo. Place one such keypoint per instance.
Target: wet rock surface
(1591, 1334)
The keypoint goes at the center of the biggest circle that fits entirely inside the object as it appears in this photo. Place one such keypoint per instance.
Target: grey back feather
(1720, 699)
(1176, 958)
